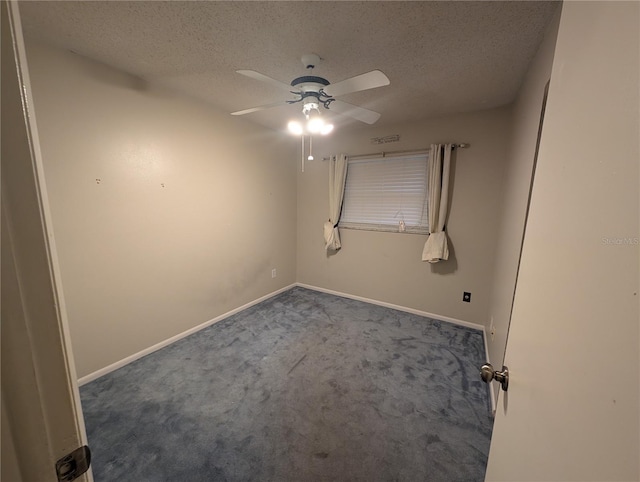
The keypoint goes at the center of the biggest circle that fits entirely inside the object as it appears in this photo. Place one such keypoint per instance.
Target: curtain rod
(395, 153)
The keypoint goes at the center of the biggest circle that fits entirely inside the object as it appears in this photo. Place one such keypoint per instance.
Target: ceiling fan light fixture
(295, 128)
(326, 129)
(315, 125)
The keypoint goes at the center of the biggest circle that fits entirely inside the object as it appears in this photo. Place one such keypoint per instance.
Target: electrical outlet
(466, 296)
(273, 273)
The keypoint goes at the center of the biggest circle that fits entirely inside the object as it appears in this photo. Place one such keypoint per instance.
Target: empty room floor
(304, 386)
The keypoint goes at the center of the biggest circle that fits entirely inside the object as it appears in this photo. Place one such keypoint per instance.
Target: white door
(572, 409)
(41, 415)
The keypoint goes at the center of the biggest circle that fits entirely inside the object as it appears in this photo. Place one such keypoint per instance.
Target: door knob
(487, 373)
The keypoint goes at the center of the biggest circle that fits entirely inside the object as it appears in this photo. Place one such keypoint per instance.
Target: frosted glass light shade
(296, 128)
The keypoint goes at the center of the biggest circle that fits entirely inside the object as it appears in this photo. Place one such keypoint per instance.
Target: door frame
(40, 395)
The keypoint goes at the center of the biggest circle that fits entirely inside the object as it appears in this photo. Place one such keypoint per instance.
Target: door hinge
(74, 464)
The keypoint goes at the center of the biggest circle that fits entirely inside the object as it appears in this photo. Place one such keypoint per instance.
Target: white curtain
(337, 178)
(436, 248)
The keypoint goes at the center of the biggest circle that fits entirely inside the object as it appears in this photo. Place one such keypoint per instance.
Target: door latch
(74, 464)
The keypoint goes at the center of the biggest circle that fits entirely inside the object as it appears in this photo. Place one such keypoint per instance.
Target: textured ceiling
(441, 57)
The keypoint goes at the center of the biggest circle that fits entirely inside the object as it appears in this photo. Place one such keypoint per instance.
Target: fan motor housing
(309, 83)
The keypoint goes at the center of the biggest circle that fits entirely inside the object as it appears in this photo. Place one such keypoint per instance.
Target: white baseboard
(173, 339)
(455, 321)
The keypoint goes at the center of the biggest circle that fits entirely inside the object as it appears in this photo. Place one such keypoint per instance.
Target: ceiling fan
(315, 92)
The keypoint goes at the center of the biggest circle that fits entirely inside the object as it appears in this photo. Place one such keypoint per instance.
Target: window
(381, 193)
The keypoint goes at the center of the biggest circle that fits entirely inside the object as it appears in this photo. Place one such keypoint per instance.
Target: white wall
(192, 210)
(387, 266)
(517, 181)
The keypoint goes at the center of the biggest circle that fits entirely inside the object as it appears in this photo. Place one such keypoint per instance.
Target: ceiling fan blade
(359, 113)
(264, 78)
(261, 107)
(370, 80)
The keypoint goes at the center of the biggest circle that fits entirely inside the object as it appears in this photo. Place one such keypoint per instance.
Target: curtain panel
(436, 247)
(337, 178)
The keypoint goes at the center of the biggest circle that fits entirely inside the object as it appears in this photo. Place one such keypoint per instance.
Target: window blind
(382, 192)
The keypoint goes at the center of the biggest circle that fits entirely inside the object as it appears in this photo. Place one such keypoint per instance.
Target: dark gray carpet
(302, 387)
